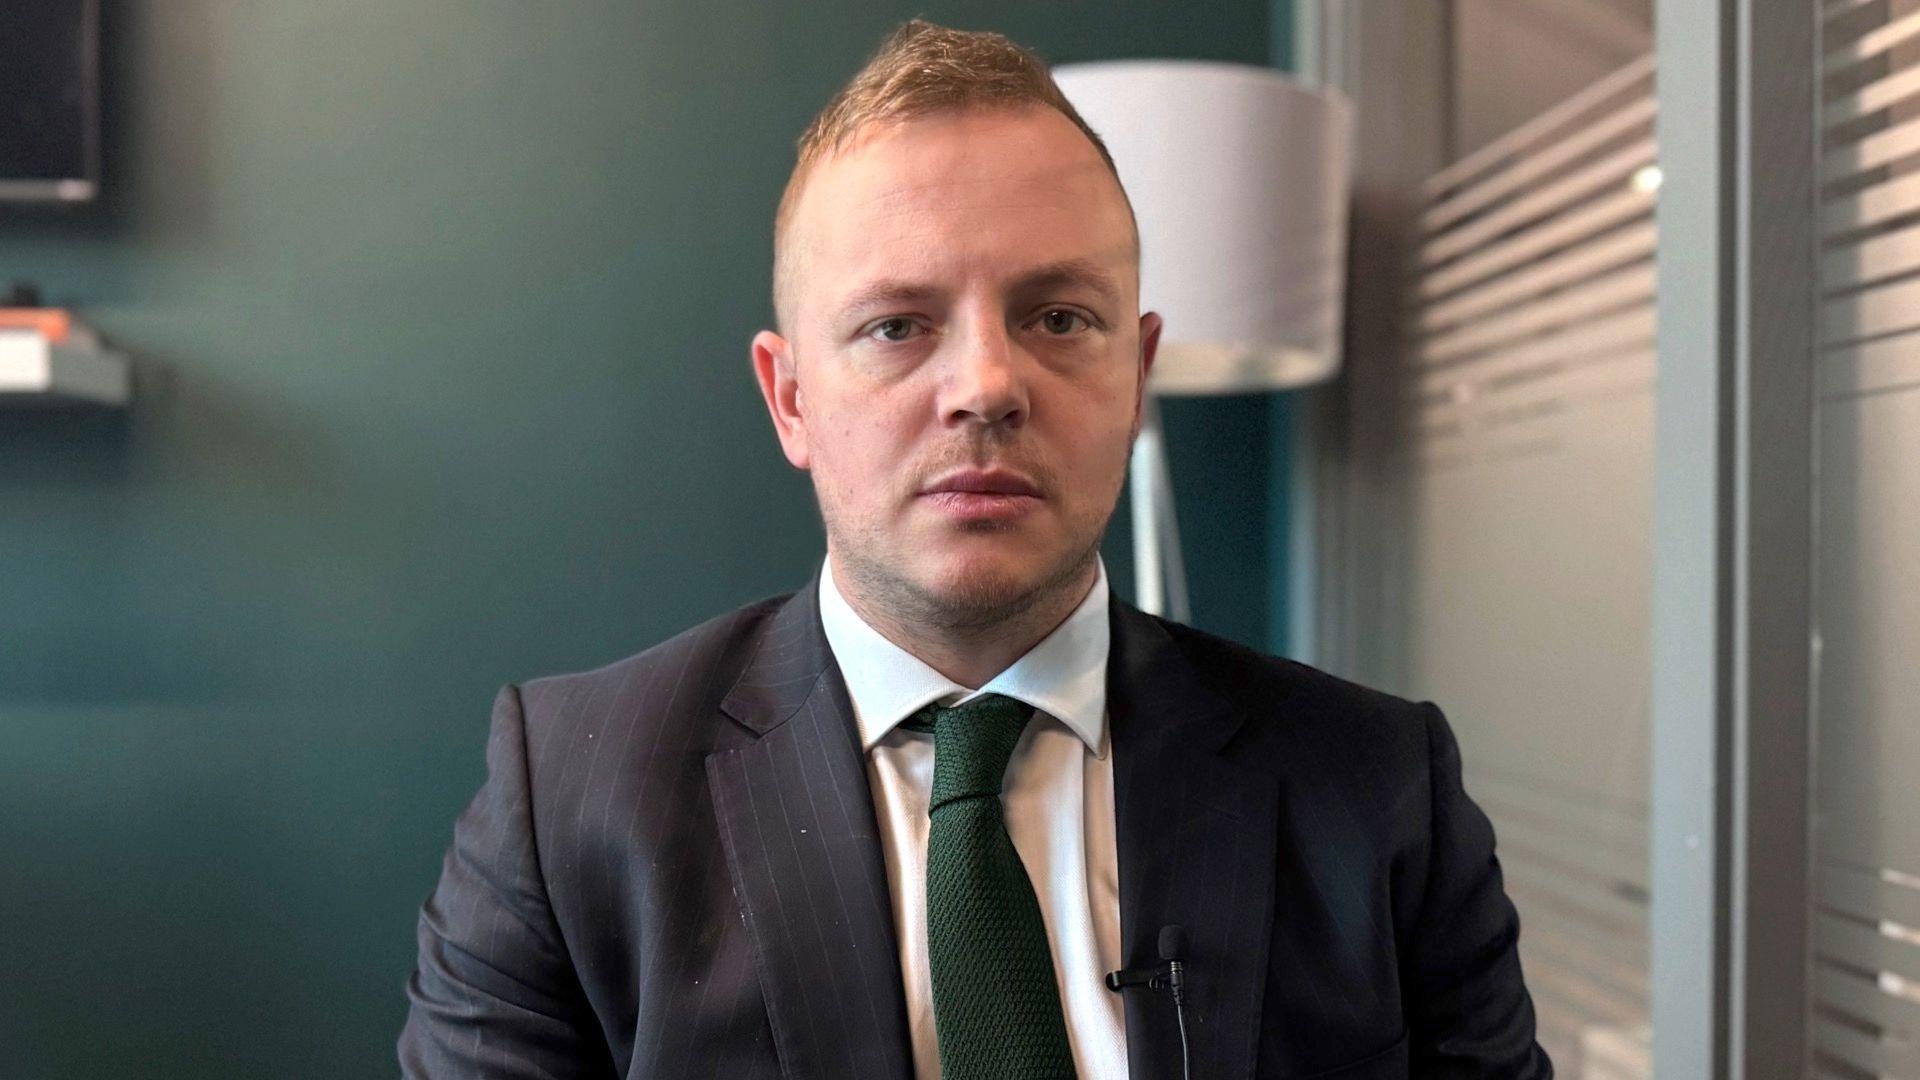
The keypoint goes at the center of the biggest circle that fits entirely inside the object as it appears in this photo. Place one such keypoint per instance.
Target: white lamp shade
(1238, 177)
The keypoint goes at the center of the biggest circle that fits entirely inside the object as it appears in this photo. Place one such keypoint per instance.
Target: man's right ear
(773, 367)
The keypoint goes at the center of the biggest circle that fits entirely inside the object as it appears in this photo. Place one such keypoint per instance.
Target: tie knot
(972, 743)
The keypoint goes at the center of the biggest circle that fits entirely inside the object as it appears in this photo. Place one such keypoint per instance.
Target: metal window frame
(1732, 605)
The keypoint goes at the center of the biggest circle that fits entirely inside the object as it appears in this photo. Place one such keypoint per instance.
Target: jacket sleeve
(1468, 1011)
(494, 992)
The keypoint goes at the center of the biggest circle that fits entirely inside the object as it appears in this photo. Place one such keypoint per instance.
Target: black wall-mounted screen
(49, 99)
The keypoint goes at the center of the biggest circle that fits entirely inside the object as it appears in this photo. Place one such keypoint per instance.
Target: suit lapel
(1196, 838)
(796, 819)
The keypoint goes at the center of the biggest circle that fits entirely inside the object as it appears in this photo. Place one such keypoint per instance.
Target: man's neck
(974, 654)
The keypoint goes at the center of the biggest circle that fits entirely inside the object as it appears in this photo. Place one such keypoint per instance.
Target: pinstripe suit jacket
(673, 870)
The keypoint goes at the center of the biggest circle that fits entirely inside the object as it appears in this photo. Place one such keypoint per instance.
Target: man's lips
(983, 482)
(982, 495)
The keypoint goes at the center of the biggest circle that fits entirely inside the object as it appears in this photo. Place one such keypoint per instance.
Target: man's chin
(980, 586)
(985, 587)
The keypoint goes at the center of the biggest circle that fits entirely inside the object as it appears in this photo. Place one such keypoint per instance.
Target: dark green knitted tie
(995, 1004)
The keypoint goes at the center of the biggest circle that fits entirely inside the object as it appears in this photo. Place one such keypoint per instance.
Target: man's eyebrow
(886, 293)
(1084, 273)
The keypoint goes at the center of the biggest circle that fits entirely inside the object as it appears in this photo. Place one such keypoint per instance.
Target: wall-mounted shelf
(34, 371)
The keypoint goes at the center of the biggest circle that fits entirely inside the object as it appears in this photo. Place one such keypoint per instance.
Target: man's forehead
(975, 153)
(924, 174)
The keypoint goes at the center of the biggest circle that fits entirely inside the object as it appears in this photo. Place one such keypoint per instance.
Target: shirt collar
(1064, 676)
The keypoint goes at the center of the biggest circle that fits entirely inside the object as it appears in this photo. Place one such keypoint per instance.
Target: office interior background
(439, 315)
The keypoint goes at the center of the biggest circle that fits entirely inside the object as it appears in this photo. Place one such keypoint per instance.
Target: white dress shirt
(1057, 795)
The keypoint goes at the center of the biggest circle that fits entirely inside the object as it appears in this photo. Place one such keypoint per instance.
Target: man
(902, 822)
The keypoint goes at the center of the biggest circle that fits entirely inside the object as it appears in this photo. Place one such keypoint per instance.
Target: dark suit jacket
(673, 870)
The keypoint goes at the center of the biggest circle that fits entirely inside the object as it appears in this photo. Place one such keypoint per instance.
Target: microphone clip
(1170, 975)
(1154, 978)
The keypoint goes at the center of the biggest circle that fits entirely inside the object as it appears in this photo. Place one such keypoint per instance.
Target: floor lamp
(1238, 177)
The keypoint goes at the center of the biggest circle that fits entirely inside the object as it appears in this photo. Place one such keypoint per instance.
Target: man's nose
(985, 380)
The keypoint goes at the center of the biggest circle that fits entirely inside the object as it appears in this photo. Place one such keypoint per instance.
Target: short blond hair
(921, 69)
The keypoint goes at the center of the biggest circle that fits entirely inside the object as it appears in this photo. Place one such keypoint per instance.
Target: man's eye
(1060, 321)
(898, 328)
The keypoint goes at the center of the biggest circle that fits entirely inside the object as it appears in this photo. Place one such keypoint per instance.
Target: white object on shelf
(33, 370)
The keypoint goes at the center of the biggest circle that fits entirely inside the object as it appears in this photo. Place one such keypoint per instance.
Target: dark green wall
(441, 310)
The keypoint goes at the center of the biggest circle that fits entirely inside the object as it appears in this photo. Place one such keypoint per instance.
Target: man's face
(964, 373)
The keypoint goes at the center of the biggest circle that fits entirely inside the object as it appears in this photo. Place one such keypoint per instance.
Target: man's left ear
(1150, 324)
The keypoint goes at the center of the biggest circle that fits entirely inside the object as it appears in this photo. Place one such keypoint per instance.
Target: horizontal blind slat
(1861, 997)
(1871, 98)
(1883, 255)
(1870, 367)
(1593, 342)
(1595, 297)
(1621, 376)
(1880, 148)
(1585, 223)
(1871, 44)
(1611, 171)
(1537, 131)
(1871, 206)
(1877, 1056)
(1866, 894)
(1632, 244)
(1534, 166)
(1864, 947)
(1872, 312)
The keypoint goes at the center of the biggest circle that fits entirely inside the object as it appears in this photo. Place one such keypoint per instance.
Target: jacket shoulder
(1249, 678)
(1284, 702)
